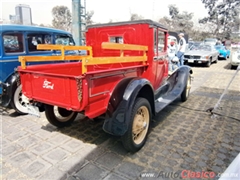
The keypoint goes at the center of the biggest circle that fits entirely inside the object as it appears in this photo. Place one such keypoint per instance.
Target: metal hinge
(79, 88)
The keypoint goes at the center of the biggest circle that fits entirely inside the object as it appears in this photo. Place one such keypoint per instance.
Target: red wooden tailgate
(61, 91)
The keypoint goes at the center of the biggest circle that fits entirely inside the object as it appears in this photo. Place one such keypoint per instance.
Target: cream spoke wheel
(140, 124)
(186, 91)
(138, 127)
(188, 86)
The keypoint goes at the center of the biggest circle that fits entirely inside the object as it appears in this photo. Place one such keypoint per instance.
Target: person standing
(172, 50)
(181, 49)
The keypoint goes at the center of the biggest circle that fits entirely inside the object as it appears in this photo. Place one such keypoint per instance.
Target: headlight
(204, 57)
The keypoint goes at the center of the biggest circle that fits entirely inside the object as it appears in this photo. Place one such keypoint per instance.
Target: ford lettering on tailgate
(47, 84)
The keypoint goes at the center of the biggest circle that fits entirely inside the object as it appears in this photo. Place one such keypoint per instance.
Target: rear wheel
(139, 122)
(19, 101)
(59, 117)
(186, 92)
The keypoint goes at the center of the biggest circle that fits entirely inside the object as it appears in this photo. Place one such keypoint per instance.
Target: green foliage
(135, 16)
(89, 16)
(223, 15)
(178, 21)
(61, 18)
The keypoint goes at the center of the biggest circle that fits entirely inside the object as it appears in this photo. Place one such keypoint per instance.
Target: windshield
(210, 40)
(219, 47)
(64, 40)
(204, 48)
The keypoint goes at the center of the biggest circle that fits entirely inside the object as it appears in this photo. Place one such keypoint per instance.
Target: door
(160, 58)
(12, 47)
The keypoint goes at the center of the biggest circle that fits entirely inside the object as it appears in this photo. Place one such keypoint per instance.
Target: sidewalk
(183, 137)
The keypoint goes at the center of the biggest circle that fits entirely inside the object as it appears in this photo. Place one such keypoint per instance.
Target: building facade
(23, 14)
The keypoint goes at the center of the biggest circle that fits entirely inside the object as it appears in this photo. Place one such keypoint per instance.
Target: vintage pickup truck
(124, 76)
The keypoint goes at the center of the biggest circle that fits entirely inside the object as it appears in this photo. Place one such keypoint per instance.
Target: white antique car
(235, 58)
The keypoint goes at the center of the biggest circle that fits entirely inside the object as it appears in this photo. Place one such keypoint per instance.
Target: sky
(105, 10)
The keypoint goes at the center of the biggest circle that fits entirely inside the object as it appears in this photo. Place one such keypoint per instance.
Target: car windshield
(204, 48)
(209, 40)
(219, 47)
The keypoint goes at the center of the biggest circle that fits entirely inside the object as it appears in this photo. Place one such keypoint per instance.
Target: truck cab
(142, 32)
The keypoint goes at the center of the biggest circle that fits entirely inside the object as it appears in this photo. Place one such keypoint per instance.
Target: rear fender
(117, 121)
(8, 89)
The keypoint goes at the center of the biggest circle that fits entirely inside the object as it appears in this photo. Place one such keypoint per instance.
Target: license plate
(199, 62)
(191, 60)
(33, 110)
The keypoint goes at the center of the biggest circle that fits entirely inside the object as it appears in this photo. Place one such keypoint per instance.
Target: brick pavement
(183, 136)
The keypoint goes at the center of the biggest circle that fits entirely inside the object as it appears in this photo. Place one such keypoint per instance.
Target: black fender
(177, 81)
(8, 89)
(117, 121)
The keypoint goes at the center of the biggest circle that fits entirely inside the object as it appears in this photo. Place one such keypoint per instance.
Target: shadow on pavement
(183, 136)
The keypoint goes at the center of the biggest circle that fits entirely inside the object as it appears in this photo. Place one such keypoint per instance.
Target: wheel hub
(140, 125)
(23, 98)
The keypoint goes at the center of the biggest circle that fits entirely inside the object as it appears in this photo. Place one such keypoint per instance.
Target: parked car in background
(235, 59)
(223, 51)
(193, 45)
(19, 40)
(204, 54)
(210, 41)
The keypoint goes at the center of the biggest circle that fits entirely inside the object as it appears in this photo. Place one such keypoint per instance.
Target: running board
(163, 101)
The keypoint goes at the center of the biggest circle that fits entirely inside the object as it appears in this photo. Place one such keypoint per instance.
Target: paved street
(183, 137)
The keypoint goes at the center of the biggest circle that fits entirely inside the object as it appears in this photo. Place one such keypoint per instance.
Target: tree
(45, 25)
(61, 18)
(89, 16)
(222, 14)
(135, 16)
(177, 21)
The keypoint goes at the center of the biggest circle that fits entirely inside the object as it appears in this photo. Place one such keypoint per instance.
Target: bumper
(222, 56)
(235, 63)
(198, 61)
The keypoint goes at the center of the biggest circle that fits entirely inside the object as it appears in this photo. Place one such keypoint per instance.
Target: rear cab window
(33, 39)
(13, 43)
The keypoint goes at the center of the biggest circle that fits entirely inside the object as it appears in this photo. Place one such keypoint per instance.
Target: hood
(197, 53)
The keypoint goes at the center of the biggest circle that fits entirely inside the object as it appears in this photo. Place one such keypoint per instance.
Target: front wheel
(59, 117)
(139, 122)
(19, 101)
(208, 64)
(186, 92)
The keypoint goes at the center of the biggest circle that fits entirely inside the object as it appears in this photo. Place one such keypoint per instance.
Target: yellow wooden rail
(88, 59)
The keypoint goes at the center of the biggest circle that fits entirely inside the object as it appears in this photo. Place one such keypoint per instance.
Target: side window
(34, 39)
(161, 41)
(155, 40)
(13, 43)
(47, 39)
(116, 39)
(64, 40)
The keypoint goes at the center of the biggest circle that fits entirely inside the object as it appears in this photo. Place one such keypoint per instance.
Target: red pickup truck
(124, 75)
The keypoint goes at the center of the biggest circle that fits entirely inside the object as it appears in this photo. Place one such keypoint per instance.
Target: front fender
(8, 89)
(117, 122)
(177, 81)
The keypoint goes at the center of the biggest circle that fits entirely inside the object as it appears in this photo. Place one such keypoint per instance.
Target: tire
(62, 119)
(186, 91)
(140, 121)
(233, 67)
(19, 101)
(208, 64)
